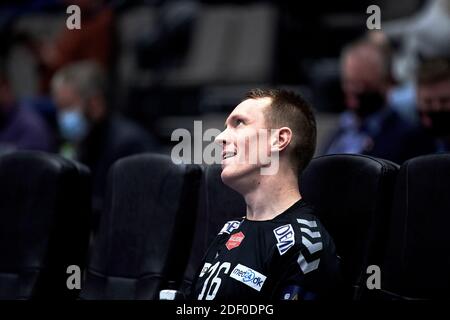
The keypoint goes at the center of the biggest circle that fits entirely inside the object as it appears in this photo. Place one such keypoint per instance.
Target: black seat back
(145, 233)
(417, 262)
(44, 228)
(352, 195)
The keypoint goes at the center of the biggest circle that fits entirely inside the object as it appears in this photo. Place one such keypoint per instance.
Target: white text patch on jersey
(230, 226)
(285, 237)
(248, 276)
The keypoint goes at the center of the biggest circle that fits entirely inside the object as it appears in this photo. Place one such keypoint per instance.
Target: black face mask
(369, 102)
(440, 123)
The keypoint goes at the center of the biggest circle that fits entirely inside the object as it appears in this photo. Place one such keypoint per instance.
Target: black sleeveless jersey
(289, 257)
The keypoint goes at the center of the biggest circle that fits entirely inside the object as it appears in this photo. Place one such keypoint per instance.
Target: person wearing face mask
(433, 104)
(369, 126)
(91, 133)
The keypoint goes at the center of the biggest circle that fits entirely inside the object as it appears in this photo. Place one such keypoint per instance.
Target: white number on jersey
(212, 287)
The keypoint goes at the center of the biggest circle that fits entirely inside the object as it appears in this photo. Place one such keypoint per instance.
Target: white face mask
(73, 124)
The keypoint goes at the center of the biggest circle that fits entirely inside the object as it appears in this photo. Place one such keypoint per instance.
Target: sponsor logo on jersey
(235, 240)
(285, 237)
(205, 269)
(230, 226)
(248, 276)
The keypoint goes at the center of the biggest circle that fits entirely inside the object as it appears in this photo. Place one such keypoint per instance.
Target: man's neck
(274, 195)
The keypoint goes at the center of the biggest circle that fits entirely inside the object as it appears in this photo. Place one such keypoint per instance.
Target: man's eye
(238, 122)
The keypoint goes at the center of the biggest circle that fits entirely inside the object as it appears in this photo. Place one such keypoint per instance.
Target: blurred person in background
(433, 102)
(421, 36)
(20, 127)
(401, 95)
(369, 126)
(93, 134)
(92, 42)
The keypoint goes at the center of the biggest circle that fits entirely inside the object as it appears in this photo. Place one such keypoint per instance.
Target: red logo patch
(235, 240)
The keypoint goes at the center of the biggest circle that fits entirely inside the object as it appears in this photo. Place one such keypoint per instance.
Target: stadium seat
(352, 195)
(217, 205)
(417, 261)
(145, 233)
(44, 224)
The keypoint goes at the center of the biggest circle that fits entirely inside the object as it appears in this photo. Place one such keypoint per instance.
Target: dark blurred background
(155, 66)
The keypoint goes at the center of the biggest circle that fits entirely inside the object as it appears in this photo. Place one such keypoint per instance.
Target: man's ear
(283, 138)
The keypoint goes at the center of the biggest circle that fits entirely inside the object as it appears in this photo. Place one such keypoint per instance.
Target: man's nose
(221, 138)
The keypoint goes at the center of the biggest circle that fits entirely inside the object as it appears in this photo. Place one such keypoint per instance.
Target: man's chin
(235, 178)
(231, 176)
(227, 176)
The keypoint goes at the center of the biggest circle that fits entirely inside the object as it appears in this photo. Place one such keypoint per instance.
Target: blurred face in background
(363, 82)
(433, 101)
(74, 113)
(67, 98)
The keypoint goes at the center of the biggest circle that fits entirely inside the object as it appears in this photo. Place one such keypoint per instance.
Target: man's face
(433, 97)
(361, 74)
(433, 101)
(245, 135)
(67, 99)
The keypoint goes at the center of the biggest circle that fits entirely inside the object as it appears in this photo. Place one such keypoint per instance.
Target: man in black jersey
(279, 250)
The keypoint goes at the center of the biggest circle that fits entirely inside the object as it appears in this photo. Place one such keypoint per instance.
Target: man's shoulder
(304, 229)
(301, 211)
(27, 118)
(396, 124)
